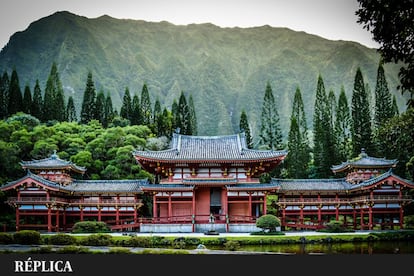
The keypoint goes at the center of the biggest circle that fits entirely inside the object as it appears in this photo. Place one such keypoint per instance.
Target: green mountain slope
(225, 69)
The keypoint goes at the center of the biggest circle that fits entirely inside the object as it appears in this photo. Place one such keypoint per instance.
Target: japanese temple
(208, 183)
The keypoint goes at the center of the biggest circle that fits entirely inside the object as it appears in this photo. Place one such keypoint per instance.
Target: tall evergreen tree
(322, 133)
(361, 119)
(165, 124)
(100, 107)
(136, 111)
(109, 113)
(4, 95)
(270, 132)
(244, 126)
(157, 117)
(343, 128)
(15, 103)
(71, 111)
(27, 100)
(174, 113)
(37, 101)
(193, 116)
(383, 101)
(126, 108)
(297, 161)
(53, 101)
(88, 103)
(146, 109)
(183, 116)
(333, 140)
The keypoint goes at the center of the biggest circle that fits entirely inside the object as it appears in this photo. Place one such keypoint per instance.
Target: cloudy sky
(331, 19)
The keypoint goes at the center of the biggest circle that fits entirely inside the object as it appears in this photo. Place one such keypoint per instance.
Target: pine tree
(270, 133)
(297, 161)
(174, 113)
(15, 103)
(136, 118)
(126, 108)
(37, 101)
(165, 124)
(157, 117)
(244, 126)
(4, 95)
(383, 101)
(71, 111)
(109, 113)
(100, 107)
(53, 101)
(343, 127)
(193, 116)
(361, 119)
(146, 111)
(88, 104)
(333, 141)
(27, 100)
(183, 115)
(322, 133)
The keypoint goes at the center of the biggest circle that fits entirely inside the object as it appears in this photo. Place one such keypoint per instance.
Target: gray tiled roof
(253, 186)
(311, 184)
(129, 186)
(52, 162)
(37, 178)
(214, 148)
(365, 161)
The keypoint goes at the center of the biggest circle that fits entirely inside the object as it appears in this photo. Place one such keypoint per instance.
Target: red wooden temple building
(369, 195)
(208, 183)
(48, 198)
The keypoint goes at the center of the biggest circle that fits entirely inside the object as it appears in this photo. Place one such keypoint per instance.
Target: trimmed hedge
(27, 237)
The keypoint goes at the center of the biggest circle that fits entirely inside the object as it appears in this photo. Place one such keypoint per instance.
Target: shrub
(98, 240)
(6, 238)
(90, 227)
(27, 237)
(232, 245)
(268, 222)
(62, 239)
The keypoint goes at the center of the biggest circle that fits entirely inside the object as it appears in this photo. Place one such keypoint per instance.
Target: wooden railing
(344, 201)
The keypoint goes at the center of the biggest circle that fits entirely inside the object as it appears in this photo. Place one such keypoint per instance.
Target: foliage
(27, 237)
(90, 227)
(97, 240)
(391, 23)
(6, 238)
(361, 117)
(268, 222)
(62, 239)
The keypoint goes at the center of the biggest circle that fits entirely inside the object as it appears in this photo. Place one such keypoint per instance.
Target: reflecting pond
(377, 247)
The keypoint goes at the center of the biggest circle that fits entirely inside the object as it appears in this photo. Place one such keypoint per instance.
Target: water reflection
(378, 247)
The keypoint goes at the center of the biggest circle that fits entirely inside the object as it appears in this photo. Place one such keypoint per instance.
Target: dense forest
(36, 123)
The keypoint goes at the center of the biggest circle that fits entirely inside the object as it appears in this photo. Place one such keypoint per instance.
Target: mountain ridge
(227, 68)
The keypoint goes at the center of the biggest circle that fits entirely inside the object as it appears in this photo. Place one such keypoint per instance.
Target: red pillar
(320, 214)
(99, 213)
(17, 218)
(154, 206)
(81, 213)
(250, 204)
(117, 215)
(362, 218)
(337, 212)
(193, 206)
(401, 217)
(264, 204)
(370, 216)
(49, 219)
(169, 207)
(135, 214)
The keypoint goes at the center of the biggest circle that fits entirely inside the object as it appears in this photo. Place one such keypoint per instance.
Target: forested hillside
(224, 69)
